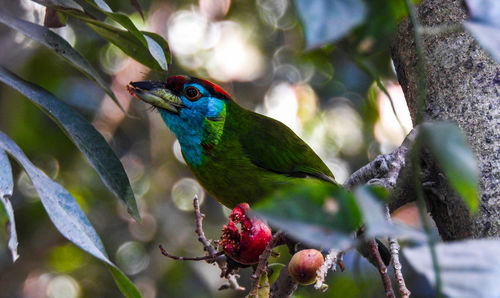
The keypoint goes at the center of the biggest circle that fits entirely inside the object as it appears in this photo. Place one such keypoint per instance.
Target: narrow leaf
(370, 199)
(447, 143)
(484, 11)
(152, 46)
(127, 288)
(488, 37)
(467, 268)
(61, 207)
(60, 3)
(6, 188)
(326, 21)
(318, 213)
(65, 213)
(88, 140)
(58, 44)
(156, 55)
(137, 7)
(484, 24)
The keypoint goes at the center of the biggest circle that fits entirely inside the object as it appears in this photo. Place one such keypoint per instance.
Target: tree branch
(213, 255)
(262, 265)
(373, 250)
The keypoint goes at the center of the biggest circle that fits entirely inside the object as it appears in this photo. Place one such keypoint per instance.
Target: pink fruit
(244, 244)
(304, 264)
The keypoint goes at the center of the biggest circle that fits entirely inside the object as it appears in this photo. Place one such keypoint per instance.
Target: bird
(236, 154)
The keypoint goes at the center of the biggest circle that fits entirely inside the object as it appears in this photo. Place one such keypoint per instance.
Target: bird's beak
(156, 94)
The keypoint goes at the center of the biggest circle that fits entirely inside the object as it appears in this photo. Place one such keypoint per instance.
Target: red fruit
(304, 264)
(244, 244)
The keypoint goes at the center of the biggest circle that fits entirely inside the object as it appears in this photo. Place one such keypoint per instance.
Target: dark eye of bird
(192, 93)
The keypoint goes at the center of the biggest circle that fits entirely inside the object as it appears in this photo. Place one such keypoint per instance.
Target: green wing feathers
(271, 145)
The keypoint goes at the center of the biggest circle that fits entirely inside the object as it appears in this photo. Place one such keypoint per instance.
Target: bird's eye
(192, 93)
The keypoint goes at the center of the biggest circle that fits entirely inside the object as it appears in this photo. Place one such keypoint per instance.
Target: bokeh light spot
(63, 286)
(184, 191)
(132, 257)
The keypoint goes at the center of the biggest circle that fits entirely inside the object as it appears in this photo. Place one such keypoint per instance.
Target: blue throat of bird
(197, 130)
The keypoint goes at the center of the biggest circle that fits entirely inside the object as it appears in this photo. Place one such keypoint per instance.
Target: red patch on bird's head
(216, 89)
(176, 84)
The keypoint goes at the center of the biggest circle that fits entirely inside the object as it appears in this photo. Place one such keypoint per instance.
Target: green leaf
(88, 140)
(156, 51)
(65, 213)
(317, 212)
(488, 37)
(467, 268)
(447, 144)
(371, 199)
(59, 204)
(484, 24)
(484, 11)
(127, 288)
(58, 44)
(154, 54)
(274, 270)
(326, 21)
(61, 3)
(6, 210)
(137, 7)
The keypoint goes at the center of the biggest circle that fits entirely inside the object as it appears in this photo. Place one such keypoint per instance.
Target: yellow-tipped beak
(152, 93)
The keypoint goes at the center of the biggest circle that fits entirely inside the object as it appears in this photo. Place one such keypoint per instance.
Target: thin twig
(262, 265)
(212, 250)
(394, 248)
(330, 262)
(375, 255)
(209, 259)
(207, 245)
(396, 264)
(212, 254)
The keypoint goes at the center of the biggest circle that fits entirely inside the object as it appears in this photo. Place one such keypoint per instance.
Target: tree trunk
(463, 86)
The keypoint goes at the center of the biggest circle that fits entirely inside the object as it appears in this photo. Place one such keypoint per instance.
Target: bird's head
(194, 109)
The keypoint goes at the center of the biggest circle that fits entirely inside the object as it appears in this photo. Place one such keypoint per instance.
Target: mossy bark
(463, 86)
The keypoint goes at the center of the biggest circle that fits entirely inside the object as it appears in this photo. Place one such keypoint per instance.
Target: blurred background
(256, 51)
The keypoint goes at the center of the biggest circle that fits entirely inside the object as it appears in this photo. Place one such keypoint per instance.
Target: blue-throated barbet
(237, 155)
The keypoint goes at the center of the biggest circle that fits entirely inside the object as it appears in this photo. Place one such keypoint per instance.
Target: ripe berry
(304, 264)
(244, 244)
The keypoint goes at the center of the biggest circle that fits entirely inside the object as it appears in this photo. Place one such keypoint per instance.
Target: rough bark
(463, 85)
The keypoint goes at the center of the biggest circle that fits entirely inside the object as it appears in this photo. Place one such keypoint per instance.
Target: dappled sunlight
(132, 257)
(222, 48)
(280, 103)
(388, 130)
(184, 191)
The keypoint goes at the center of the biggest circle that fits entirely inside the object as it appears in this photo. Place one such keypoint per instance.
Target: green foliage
(147, 48)
(59, 45)
(6, 210)
(324, 215)
(90, 142)
(66, 215)
(447, 143)
(468, 268)
(484, 24)
(326, 21)
(320, 214)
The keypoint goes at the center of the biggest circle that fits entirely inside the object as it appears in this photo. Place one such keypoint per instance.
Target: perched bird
(237, 155)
